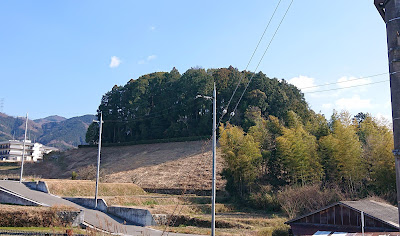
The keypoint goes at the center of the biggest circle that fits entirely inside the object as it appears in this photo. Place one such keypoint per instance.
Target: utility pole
(214, 150)
(23, 149)
(214, 161)
(98, 158)
(390, 12)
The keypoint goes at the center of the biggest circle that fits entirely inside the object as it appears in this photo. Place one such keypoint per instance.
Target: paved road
(95, 218)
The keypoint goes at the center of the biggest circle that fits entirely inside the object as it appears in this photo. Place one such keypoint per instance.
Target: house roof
(383, 212)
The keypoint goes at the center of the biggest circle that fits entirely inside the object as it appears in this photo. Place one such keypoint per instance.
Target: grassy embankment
(193, 211)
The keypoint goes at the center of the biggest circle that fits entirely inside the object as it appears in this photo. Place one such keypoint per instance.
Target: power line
(339, 82)
(251, 78)
(326, 90)
(251, 58)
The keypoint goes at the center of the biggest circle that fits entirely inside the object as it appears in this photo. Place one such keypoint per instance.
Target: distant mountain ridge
(50, 119)
(55, 131)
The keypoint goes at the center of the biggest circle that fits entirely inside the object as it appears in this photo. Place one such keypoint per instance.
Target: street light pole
(214, 147)
(23, 149)
(214, 161)
(98, 159)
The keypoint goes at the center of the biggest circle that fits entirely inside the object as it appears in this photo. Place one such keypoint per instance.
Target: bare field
(84, 188)
(179, 165)
(192, 172)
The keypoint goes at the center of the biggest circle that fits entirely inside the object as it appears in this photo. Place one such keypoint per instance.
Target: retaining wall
(137, 216)
(141, 217)
(89, 202)
(38, 185)
(9, 197)
(75, 218)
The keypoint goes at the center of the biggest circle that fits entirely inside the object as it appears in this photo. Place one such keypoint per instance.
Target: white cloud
(152, 28)
(350, 81)
(353, 103)
(115, 62)
(151, 57)
(306, 84)
(327, 106)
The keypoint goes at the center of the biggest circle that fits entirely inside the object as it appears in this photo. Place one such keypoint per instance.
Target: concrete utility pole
(390, 12)
(214, 172)
(214, 151)
(98, 159)
(23, 149)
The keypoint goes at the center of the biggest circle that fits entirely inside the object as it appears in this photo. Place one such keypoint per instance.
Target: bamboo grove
(274, 139)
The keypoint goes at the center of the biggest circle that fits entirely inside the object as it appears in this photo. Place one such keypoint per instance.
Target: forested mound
(164, 105)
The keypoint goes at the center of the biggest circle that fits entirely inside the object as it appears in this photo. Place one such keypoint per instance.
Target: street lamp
(98, 158)
(214, 146)
(23, 149)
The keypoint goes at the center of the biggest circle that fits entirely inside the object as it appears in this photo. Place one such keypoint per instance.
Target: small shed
(345, 216)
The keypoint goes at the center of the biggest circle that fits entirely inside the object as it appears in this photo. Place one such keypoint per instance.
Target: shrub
(299, 200)
(74, 175)
(264, 199)
(280, 232)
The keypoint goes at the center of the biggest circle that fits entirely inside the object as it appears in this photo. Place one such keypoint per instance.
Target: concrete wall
(137, 216)
(89, 202)
(9, 197)
(140, 217)
(75, 218)
(37, 185)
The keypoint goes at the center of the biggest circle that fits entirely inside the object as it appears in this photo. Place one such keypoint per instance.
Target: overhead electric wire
(340, 82)
(251, 58)
(326, 90)
(251, 78)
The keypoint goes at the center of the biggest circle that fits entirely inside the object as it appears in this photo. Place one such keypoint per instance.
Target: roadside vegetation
(24, 216)
(300, 166)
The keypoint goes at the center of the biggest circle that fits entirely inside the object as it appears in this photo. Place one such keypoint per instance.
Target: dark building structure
(345, 216)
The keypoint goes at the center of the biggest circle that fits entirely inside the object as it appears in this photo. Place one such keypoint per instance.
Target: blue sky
(60, 57)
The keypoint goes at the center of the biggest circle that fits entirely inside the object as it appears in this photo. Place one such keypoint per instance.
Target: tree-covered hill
(164, 105)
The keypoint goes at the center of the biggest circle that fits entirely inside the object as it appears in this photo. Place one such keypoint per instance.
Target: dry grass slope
(84, 188)
(179, 165)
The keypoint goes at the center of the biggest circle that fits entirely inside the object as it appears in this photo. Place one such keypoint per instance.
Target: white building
(39, 150)
(12, 151)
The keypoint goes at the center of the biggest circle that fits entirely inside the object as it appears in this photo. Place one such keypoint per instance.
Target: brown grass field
(126, 171)
(84, 188)
(180, 165)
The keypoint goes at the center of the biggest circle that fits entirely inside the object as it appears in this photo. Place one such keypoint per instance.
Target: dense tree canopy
(349, 152)
(164, 105)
